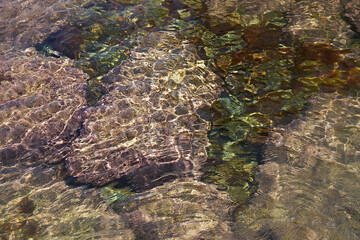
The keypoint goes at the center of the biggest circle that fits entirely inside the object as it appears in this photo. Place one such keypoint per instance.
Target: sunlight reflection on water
(257, 99)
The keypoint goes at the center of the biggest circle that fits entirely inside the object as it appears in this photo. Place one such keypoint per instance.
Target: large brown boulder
(40, 108)
(152, 124)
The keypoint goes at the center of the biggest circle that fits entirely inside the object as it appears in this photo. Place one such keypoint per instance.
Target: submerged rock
(180, 211)
(229, 13)
(100, 37)
(319, 22)
(292, 53)
(152, 125)
(352, 13)
(26, 22)
(310, 180)
(40, 108)
(39, 205)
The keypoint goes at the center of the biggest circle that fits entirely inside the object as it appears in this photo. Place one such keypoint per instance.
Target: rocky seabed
(61, 157)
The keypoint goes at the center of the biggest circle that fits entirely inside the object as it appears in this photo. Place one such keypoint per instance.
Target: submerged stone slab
(352, 13)
(41, 103)
(309, 184)
(152, 124)
(39, 205)
(244, 12)
(185, 210)
(319, 22)
(26, 22)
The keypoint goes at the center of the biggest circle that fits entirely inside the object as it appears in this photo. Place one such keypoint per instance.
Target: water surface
(153, 119)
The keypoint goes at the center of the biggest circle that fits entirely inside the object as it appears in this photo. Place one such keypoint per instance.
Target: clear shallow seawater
(179, 119)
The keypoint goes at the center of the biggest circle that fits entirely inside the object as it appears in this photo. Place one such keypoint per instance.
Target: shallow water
(160, 119)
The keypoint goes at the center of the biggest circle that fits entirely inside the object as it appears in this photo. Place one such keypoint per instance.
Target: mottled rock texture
(26, 22)
(39, 205)
(187, 210)
(40, 108)
(352, 13)
(310, 181)
(152, 124)
(244, 12)
(318, 22)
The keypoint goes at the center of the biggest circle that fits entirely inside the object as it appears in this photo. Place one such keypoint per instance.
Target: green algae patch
(112, 193)
(276, 85)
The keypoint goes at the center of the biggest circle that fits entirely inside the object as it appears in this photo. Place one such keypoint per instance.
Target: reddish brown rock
(152, 125)
(40, 108)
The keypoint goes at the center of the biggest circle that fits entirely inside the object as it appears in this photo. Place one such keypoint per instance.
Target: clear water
(179, 119)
